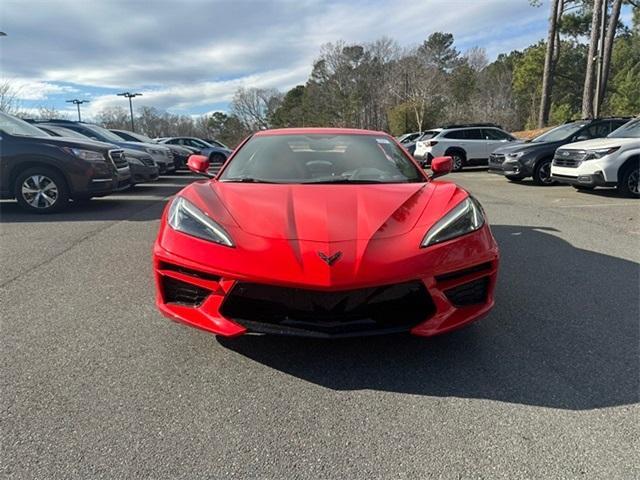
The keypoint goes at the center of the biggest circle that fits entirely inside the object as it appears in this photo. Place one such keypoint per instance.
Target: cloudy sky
(189, 56)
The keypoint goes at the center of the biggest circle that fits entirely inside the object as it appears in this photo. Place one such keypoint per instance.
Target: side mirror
(199, 164)
(441, 166)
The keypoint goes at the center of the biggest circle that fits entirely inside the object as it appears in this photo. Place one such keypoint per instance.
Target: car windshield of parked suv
(65, 132)
(15, 126)
(559, 133)
(628, 130)
(105, 134)
(318, 158)
(140, 137)
(428, 135)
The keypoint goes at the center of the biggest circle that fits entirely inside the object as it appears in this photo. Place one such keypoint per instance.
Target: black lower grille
(496, 158)
(471, 293)
(176, 291)
(384, 309)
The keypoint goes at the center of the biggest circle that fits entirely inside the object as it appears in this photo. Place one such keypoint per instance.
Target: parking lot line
(627, 204)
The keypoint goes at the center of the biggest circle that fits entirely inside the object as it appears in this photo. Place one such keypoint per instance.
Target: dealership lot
(96, 384)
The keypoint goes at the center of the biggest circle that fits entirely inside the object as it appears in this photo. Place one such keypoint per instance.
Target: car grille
(177, 291)
(118, 159)
(496, 158)
(569, 158)
(366, 311)
(470, 293)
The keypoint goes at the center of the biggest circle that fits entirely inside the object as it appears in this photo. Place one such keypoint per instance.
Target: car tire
(41, 190)
(628, 185)
(459, 159)
(542, 173)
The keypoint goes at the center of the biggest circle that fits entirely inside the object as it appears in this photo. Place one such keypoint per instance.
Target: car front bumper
(143, 173)
(192, 289)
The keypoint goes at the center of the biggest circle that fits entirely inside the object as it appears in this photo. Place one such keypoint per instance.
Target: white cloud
(36, 90)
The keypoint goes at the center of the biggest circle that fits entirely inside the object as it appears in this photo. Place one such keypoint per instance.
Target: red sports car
(324, 233)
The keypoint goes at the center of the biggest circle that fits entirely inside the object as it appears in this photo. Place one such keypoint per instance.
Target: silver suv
(468, 144)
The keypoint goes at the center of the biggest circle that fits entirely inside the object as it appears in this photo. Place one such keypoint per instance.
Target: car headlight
(601, 152)
(152, 151)
(514, 155)
(88, 155)
(185, 217)
(466, 217)
(135, 160)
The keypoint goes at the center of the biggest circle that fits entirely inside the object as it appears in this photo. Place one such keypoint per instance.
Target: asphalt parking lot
(96, 384)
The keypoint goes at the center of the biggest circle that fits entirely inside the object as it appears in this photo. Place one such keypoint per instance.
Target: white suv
(604, 162)
(467, 144)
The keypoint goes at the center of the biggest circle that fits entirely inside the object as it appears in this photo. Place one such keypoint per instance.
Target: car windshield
(15, 126)
(628, 130)
(559, 133)
(140, 137)
(318, 158)
(65, 132)
(429, 134)
(105, 134)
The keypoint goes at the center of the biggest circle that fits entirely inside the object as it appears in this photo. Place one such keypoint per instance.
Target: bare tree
(9, 97)
(590, 76)
(254, 106)
(550, 60)
(476, 58)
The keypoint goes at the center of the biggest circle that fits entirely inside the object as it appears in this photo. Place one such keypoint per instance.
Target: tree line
(590, 61)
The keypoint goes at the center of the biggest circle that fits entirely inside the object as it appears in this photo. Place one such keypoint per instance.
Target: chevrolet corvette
(324, 233)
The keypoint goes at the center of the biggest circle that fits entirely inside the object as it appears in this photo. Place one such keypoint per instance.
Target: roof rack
(465, 125)
(56, 120)
(614, 117)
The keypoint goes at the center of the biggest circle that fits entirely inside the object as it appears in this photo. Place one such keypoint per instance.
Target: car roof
(317, 131)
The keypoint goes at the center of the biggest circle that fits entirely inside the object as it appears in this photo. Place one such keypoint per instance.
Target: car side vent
(462, 273)
(177, 291)
(471, 293)
(188, 271)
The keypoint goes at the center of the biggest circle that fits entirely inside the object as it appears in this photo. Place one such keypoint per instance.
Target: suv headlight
(601, 152)
(466, 217)
(88, 155)
(185, 217)
(514, 155)
(135, 160)
(152, 151)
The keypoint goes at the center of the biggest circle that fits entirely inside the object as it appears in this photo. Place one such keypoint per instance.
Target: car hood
(142, 145)
(525, 147)
(325, 213)
(602, 143)
(74, 142)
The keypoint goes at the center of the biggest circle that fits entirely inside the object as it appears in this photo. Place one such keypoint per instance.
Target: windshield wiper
(347, 180)
(246, 180)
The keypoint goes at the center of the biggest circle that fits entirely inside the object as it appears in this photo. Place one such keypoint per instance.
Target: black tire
(583, 187)
(52, 190)
(628, 185)
(513, 179)
(459, 159)
(542, 173)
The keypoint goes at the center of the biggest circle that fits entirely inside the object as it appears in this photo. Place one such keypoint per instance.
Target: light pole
(77, 103)
(130, 95)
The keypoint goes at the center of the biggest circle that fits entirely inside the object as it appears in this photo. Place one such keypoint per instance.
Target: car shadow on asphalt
(563, 334)
(143, 202)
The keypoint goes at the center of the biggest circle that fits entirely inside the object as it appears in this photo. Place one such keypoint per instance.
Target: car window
(595, 130)
(429, 134)
(630, 129)
(615, 124)
(319, 158)
(494, 134)
(15, 126)
(457, 135)
(474, 134)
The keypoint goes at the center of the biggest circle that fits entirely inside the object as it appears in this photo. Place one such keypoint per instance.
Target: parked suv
(180, 154)
(160, 154)
(143, 168)
(606, 162)
(468, 144)
(533, 158)
(43, 172)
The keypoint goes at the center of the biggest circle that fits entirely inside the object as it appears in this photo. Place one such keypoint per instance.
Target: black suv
(533, 158)
(43, 172)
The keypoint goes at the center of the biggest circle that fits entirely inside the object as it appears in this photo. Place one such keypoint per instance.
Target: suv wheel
(542, 173)
(628, 185)
(458, 160)
(41, 190)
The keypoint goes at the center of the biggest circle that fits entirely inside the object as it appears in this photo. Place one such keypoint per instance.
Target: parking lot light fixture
(130, 95)
(77, 103)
